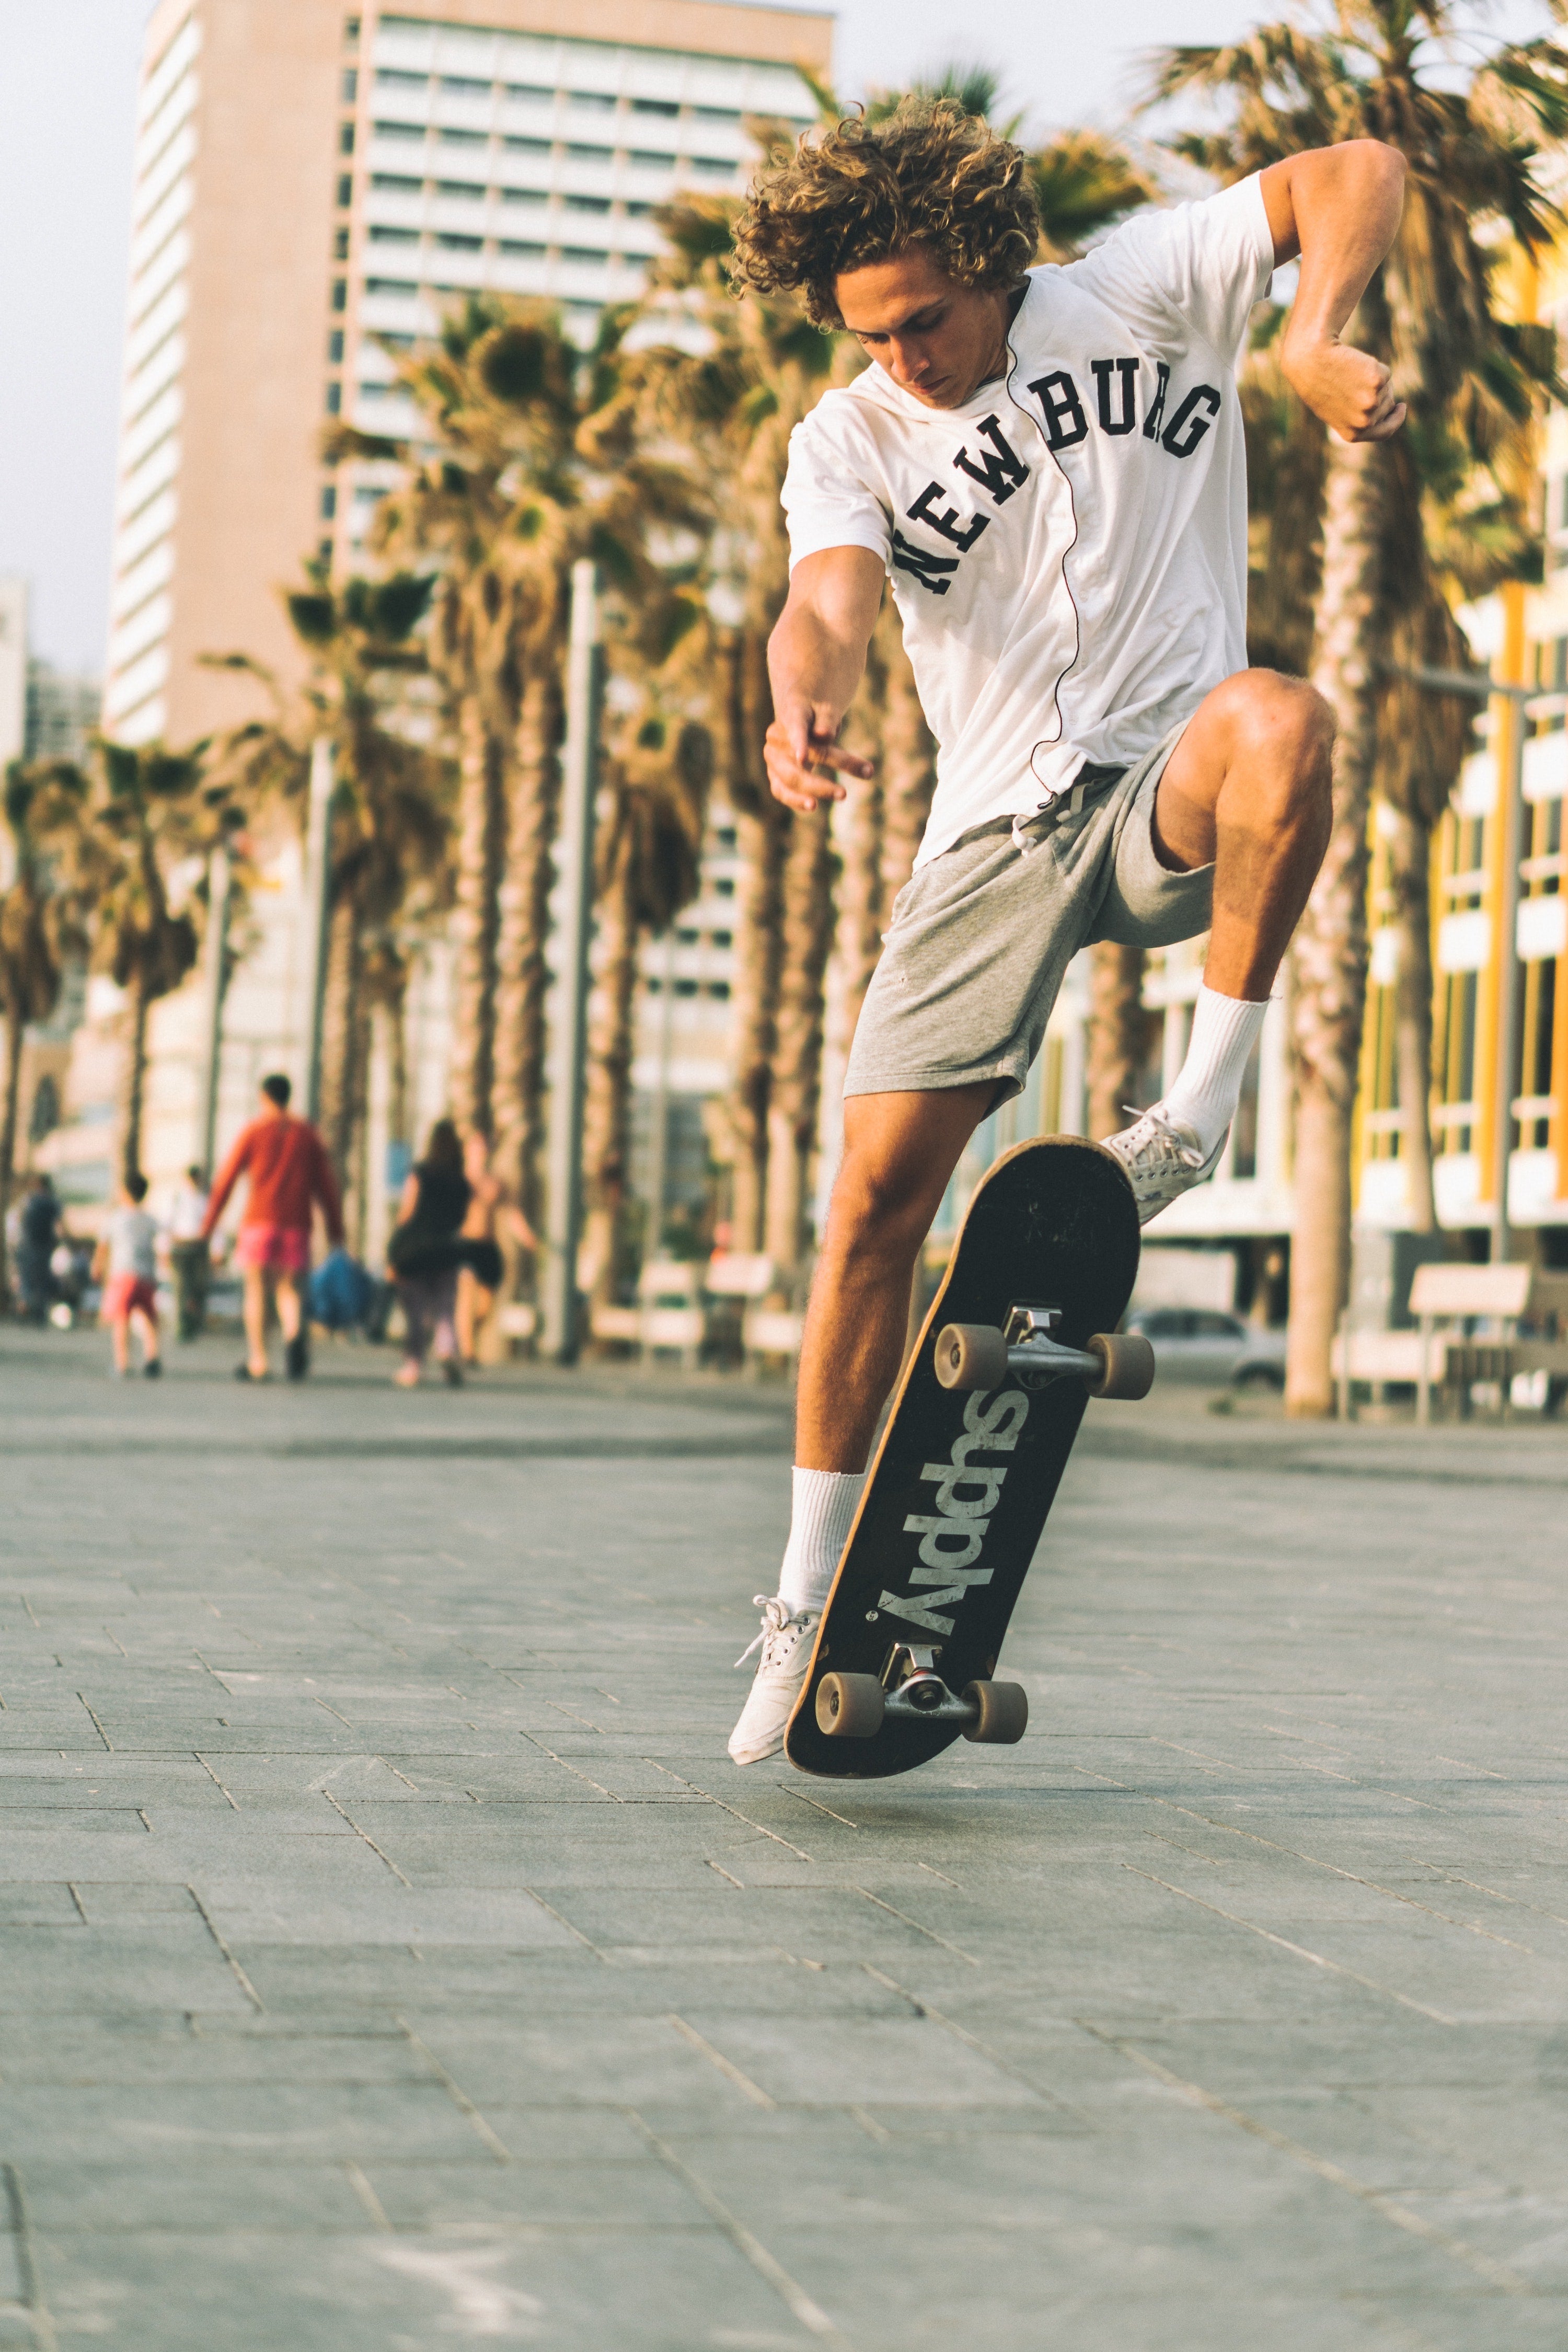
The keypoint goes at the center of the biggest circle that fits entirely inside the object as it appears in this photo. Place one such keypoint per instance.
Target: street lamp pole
(317, 856)
(1482, 688)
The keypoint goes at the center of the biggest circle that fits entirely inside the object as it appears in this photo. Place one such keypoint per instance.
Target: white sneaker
(786, 1643)
(1163, 1159)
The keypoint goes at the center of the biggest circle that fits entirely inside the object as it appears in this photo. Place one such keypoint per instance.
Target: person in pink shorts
(289, 1173)
(126, 1263)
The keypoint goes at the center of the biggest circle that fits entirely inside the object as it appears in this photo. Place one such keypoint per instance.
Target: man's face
(937, 340)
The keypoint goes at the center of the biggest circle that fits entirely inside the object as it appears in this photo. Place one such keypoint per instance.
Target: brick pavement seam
(40, 2317)
(767, 2266)
(455, 2093)
(1496, 2274)
(726, 2066)
(240, 1978)
(1300, 1952)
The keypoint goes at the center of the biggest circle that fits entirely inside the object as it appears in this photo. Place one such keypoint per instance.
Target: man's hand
(804, 762)
(1352, 392)
(815, 656)
(1339, 208)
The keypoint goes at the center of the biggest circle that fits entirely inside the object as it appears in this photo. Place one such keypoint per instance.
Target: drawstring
(1056, 805)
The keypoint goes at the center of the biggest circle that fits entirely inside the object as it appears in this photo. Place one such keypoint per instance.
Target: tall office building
(312, 187)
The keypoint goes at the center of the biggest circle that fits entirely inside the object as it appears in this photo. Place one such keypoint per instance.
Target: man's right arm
(817, 655)
(228, 1176)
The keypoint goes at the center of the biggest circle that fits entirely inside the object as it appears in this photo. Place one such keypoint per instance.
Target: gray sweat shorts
(981, 936)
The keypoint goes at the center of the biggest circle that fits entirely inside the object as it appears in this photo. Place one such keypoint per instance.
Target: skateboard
(1020, 1335)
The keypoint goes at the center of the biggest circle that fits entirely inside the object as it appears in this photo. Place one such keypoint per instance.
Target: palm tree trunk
(1328, 961)
(340, 1026)
(13, 1031)
(133, 1078)
(520, 1024)
(482, 814)
(1411, 870)
(607, 1115)
(761, 830)
(795, 1091)
(1117, 1034)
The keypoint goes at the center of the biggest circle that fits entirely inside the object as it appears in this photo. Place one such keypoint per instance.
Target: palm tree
(388, 829)
(37, 926)
(731, 384)
(536, 462)
(1430, 313)
(648, 856)
(144, 814)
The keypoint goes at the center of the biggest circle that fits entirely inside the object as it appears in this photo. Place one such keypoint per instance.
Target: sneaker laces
(776, 1617)
(1163, 1133)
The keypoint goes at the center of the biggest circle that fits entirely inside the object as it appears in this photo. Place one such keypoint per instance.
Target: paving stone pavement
(390, 1956)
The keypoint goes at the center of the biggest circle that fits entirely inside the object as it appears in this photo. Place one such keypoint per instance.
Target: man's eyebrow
(903, 326)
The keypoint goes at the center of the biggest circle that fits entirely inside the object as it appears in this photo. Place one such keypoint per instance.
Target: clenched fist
(1352, 392)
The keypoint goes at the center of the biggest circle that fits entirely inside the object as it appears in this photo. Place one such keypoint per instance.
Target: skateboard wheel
(1127, 1364)
(850, 1707)
(1002, 1713)
(971, 1356)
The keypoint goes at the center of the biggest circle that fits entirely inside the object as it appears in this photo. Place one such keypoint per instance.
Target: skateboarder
(1047, 464)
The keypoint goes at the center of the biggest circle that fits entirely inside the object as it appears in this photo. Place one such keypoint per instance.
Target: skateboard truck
(910, 1689)
(1026, 1352)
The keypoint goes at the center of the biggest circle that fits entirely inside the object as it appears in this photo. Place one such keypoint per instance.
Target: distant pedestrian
(426, 1253)
(190, 1255)
(37, 1231)
(479, 1277)
(126, 1263)
(287, 1163)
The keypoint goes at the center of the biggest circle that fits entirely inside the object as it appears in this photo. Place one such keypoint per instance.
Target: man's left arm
(1337, 209)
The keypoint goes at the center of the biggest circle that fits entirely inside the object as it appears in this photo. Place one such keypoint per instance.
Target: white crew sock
(824, 1503)
(1225, 1030)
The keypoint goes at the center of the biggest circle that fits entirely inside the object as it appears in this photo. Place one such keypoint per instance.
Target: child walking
(126, 1264)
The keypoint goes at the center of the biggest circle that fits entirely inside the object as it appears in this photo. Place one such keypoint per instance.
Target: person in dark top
(426, 1254)
(37, 1231)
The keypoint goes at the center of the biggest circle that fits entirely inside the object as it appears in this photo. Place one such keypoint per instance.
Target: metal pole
(658, 1181)
(219, 881)
(318, 847)
(568, 1052)
(1512, 814)
(1510, 805)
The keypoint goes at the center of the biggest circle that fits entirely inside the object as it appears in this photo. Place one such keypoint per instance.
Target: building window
(639, 211)
(464, 86)
(530, 89)
(461, 243)
(466, 190)
(334, 398)
(336, 347)
(717, 113)
(587, 203)
(720, 988)
(527, 146)
(324, 550)
(350, 85)
(583, 253)
(400, 130)
(401, 285)
(523, 252)
(341, 293)
(712, 168)
(395, 183)
(350, 32)
(460, 138)
(649, 159)
(390, 78)
(380, 235)
(328, 501)
(581, 154)
(655, 106)
(345, 139)
(596, 99)
(340, 244)
(346, 190)
(523, 196)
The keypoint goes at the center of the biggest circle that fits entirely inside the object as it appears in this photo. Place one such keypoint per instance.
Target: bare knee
(882, 1204)
(1283, 739)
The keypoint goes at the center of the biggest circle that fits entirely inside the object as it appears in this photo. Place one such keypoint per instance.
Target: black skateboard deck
(963, 1479)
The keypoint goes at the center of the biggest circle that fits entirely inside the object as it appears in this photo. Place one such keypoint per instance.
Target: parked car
(1199, 1343)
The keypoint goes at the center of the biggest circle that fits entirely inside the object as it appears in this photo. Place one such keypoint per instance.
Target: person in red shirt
(289, 1169)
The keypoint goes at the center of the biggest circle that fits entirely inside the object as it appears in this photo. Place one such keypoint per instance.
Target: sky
(67, 102)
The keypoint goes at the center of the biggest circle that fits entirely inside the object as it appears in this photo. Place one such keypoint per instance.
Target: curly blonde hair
(929, 175)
